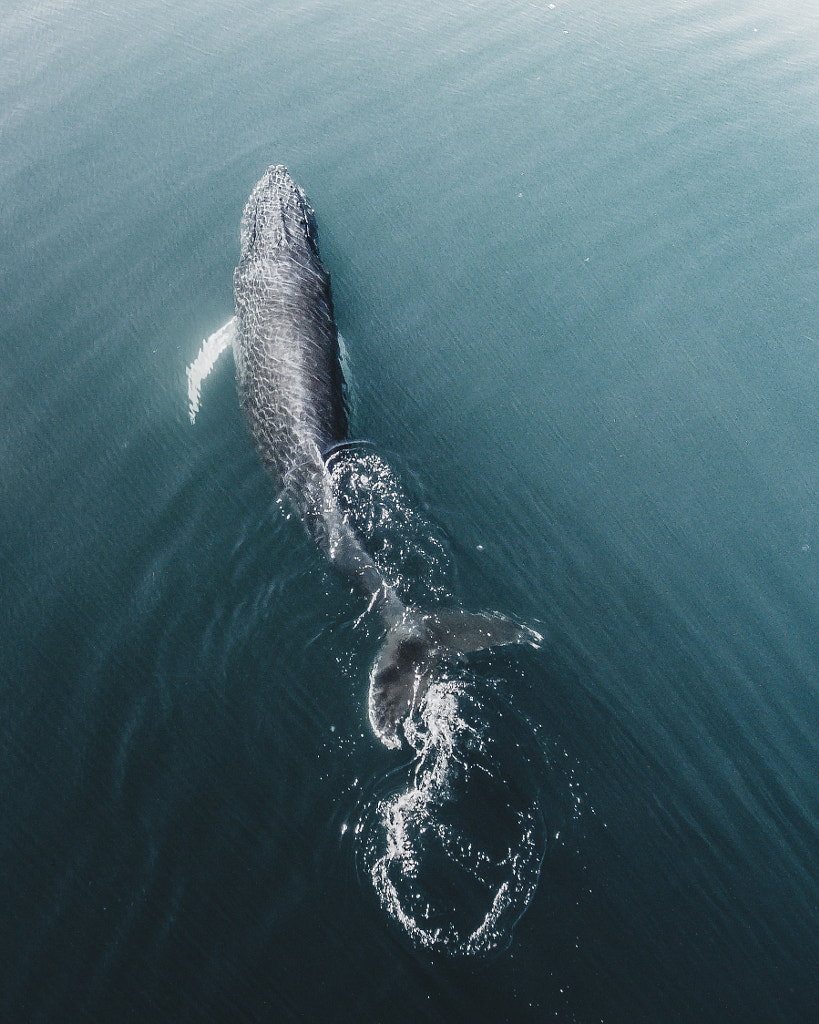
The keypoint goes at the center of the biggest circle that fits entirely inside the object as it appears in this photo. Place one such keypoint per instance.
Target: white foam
(422, 835)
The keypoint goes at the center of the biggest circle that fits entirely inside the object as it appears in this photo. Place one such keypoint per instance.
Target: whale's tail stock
(415, 645)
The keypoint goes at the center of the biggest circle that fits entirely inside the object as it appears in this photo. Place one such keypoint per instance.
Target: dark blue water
(575, 259)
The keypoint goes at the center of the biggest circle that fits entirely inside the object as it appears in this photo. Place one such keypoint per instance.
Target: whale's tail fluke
(413, 648)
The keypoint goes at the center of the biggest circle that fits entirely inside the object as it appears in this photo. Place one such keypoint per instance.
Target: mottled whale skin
(291, 391)
(291, 388)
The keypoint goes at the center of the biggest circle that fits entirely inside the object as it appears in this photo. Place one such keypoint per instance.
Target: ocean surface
(575, 259)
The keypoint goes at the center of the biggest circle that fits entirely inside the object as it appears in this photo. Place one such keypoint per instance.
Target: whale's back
(291, 386)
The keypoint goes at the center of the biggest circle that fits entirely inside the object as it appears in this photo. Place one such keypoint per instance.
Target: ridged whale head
(277, 217)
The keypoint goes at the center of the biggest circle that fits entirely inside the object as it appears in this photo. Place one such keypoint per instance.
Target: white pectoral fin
(199, 369)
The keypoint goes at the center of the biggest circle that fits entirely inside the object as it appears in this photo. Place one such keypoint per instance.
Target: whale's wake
(455, 857)
(453, 849)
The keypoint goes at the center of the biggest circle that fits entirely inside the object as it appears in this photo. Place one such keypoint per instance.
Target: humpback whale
(292, 394)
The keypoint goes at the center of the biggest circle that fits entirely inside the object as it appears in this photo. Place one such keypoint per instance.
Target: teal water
(574, 259)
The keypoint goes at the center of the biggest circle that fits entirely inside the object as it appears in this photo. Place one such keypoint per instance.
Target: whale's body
(288, 371)
(291, 391)
(291, 387)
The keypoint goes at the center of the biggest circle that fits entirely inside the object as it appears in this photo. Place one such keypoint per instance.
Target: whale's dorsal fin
(199, 369)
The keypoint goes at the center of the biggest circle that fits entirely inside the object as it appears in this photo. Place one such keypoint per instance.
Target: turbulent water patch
(407, 549)
(454, 852)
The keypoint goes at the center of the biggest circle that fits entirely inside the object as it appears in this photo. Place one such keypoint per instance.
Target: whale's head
(277, 218)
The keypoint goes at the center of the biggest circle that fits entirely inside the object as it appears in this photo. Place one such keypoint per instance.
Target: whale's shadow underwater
(292, 394)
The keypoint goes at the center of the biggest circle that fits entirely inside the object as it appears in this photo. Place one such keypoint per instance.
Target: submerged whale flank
(291, 391)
